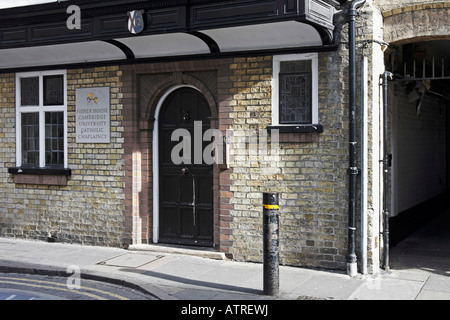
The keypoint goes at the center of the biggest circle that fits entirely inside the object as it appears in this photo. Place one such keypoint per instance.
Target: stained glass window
(295, 92)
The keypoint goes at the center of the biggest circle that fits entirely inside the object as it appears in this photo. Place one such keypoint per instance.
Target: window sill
(303, 128)
(298, 133)
(40, 176)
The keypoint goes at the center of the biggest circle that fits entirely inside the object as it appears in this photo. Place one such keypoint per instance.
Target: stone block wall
(395, 7)
(415, 20)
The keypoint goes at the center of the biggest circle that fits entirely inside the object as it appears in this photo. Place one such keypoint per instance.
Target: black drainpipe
(387, 162)
(353, 170)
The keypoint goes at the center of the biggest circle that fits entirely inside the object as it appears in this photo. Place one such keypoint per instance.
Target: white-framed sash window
(41, 119)
(295, 90)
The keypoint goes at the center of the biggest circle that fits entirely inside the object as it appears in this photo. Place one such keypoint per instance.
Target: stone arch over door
(144, 86)
(415, 23)
(157, 85)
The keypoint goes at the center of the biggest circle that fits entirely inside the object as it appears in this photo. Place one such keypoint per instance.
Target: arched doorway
(184, 182)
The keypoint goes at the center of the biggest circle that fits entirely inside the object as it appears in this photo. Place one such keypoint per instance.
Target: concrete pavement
(187, 275)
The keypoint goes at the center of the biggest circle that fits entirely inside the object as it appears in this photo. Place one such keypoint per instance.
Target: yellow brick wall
(89, 210)
(310, 175)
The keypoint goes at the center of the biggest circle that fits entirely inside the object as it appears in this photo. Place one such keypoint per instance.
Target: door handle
(185, 171)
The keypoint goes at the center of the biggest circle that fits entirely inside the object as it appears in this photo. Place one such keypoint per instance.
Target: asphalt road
(41, 287)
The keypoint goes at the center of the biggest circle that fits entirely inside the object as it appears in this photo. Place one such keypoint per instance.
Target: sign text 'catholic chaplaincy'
(93, 115)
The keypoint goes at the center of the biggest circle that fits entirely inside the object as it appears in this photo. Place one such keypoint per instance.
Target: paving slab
(327, 286)
(438, 282)
(130, 260)
(292, 278)
(380, 288)
(433, 295)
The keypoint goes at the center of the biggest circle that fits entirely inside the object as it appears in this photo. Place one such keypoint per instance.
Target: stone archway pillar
(417, 22)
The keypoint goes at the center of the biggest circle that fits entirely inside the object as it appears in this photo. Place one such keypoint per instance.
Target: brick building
(99, 98)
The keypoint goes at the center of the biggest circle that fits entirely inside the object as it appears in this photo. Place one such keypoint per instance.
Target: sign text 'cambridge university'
(93, 115)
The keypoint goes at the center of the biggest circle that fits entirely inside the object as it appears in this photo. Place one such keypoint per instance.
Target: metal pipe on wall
(387, 160)
(353, 170)
(364, 163)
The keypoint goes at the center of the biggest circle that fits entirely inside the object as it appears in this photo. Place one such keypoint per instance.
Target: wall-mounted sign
(93, 123)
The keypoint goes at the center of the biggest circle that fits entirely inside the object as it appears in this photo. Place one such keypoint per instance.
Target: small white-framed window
(295, 90)
(41, 119)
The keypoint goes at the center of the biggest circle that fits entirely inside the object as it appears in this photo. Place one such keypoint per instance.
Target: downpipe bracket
(354, 171)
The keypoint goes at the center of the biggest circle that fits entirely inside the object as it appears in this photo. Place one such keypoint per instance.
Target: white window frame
(41, 109)
(314, 58)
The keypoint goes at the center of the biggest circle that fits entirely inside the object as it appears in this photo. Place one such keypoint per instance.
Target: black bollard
(270, 244)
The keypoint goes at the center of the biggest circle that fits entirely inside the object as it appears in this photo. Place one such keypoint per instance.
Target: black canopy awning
(38, 35)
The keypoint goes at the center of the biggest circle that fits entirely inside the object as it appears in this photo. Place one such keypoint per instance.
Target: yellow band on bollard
(271, 207)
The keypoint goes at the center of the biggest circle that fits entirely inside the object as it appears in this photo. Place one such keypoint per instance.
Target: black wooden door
(185, 189)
